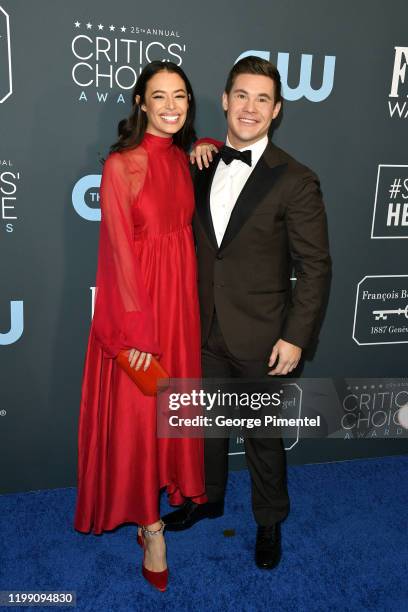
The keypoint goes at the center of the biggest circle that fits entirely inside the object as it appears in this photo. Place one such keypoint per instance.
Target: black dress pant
(266, 458)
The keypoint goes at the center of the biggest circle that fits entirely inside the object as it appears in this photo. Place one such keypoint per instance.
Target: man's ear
(276, 110)
(225, 101)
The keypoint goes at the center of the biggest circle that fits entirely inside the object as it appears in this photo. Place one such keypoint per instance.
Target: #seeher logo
(390, 216)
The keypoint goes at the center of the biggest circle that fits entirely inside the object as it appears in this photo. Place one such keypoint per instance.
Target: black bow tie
(228, 154)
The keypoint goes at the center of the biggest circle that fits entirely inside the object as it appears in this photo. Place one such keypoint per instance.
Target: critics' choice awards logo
(12, 329)
(397, 103)
(6, 80)
(9, 182)
(304, 88)
(108, 57)
(381, 310)
(390, 216)
(373, 409)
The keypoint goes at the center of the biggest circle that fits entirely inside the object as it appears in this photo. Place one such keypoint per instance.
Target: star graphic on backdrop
(123, 29)
(111, 27)
(100, 27)
(89, 26)
(77, 24)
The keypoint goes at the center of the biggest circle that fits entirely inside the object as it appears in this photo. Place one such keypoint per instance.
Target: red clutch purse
(146, 381)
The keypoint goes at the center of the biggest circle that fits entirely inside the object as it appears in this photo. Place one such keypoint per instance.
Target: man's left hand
(288, 356)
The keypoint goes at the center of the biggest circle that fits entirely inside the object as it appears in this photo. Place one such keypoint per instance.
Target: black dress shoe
(268, 546)
(190, 513)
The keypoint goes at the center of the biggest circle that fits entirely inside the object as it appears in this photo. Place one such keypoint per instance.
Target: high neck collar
(157, 142)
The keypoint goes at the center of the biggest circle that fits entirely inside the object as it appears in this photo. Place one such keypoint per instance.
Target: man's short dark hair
(255, 65)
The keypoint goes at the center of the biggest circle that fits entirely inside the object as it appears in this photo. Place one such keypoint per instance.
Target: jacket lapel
(261, 180)
(202, 186)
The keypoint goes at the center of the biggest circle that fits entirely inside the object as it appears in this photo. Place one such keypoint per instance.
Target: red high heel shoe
(139, 540)
(157, 579)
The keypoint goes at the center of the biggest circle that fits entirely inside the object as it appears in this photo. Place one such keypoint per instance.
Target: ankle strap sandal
(147, 532)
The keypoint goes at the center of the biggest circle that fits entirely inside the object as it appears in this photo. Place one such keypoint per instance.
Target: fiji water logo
(397, 105)
(6, 80)
(16, 326)
(304, 88)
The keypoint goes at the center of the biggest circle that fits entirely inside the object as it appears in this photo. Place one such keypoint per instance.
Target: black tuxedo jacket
(278, 224)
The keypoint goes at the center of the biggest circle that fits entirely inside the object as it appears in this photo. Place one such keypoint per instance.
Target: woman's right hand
(137, 359)
(202, 154)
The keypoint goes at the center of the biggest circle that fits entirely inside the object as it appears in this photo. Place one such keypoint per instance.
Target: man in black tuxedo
(259, 214)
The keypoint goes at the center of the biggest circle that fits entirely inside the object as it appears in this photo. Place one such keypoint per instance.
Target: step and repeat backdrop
(67, 70)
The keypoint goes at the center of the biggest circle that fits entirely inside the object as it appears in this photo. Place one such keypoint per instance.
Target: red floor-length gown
(146, 298)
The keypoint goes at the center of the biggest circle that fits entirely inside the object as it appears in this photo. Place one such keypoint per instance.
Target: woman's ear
(137, 102)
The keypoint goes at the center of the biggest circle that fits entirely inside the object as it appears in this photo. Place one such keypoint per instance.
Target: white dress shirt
(229, 179)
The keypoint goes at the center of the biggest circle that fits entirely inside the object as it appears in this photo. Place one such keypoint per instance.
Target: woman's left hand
(137, 359)
(202, 154)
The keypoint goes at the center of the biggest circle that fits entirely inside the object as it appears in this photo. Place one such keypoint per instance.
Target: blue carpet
(345, 548)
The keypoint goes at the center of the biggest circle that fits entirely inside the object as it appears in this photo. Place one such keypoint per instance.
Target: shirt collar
(257, 148)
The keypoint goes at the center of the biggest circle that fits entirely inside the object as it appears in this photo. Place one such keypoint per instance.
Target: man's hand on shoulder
(288, 356)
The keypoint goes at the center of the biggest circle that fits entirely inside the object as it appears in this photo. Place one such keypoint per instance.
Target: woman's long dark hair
(132, 129)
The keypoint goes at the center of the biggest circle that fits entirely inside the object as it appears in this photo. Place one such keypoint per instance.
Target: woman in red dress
(146, 301)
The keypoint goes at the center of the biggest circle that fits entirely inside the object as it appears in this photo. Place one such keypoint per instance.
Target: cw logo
(6, 81)
(87, 188)
(304, 89)
(16, 324)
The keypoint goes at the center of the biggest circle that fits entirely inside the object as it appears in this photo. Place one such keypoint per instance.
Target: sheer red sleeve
(123, 314)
